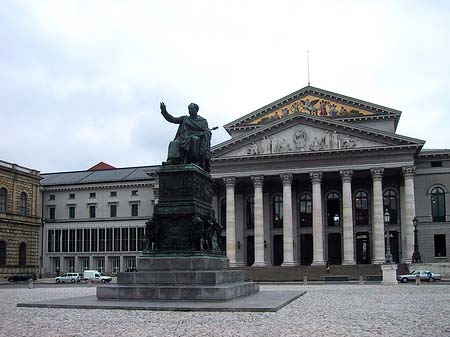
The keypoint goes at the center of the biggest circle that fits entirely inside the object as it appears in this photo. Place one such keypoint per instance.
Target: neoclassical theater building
(309, 178)
(305, 180)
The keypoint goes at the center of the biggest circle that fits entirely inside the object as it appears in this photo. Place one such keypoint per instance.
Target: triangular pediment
(316, 102)
(303, 133)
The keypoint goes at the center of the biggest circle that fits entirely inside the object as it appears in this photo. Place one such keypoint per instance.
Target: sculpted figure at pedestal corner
(192, 142)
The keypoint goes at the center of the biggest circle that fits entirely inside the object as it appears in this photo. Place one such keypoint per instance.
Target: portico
(311, 188)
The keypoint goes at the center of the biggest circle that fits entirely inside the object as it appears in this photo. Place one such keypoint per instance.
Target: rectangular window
(72, 196)
(132, 239)
(51, 213)
(134, 192)
(140, 233)
(124, 239)
(109, 239)
(134, 209)
(72, 240)
(51, 197)
(101, 239)
(57, 240)
(436, 163)
(94, 240)
(440, 249)
(116, 239)
(65, 240)
(92, 211)
(71, 212)
(50, 240)
(79, 240)
(86, 240)
(113, 194)
(92, 195)
(112, 210)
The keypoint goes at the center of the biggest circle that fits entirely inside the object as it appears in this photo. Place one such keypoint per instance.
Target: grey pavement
(325, 310)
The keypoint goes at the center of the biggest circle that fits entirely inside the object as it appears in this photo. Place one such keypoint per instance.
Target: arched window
(305, 210)
(23, 204)
(361, 208)
(277, 212)
(2, 253)
(223, 213)
(438, 204)
(22, 254)
(333, 209)
(3, 199)
(390, 203)
(250, 212)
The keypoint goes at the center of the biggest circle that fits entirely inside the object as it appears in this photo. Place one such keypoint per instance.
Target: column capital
(257, 180)
(230, 182)
(286, 178)
(346, 175)
(316, 177)
(377, 173)
(409, 171)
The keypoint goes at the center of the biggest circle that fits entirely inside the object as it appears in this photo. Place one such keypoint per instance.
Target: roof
(101, 176)
(101, 166)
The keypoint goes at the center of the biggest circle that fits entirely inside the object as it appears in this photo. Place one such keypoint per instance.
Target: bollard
(30, 283)
(305, 280)
(361, 280)
(417, 279)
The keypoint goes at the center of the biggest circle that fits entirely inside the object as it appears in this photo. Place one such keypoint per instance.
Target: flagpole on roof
(307, 57)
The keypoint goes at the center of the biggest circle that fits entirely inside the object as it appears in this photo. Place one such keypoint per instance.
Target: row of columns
(317, 214)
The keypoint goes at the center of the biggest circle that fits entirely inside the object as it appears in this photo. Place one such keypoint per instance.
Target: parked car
(22, 277)
(95, 276)
(68, 277)
(425, 275)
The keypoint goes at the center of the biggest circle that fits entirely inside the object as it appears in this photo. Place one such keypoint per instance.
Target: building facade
(95, 219)
(20, 211)
(310, 178)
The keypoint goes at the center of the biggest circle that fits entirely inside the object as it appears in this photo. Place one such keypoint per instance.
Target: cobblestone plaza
(325, 310)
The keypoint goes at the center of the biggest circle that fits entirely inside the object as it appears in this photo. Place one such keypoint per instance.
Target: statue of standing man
(192, 142)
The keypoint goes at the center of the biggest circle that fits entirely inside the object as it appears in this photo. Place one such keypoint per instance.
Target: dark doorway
(362, 248)
(277, 250)
(333, 209)
(334, 248)
(250, 250)
(394, 245)
(306, 249)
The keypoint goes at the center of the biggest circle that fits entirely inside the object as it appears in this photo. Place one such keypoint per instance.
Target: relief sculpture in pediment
(301, 141)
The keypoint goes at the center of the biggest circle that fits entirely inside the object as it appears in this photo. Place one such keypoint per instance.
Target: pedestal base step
(180, 277)
(224, 291)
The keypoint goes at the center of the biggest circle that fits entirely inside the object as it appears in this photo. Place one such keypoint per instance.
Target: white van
(95, 276)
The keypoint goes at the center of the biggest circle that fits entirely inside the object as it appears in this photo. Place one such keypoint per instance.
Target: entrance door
(250, 250)
(334, 248)
(362, 248)
(277, 250)
(306, 249)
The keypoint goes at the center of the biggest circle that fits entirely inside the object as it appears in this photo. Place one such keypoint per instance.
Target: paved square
(325, 310)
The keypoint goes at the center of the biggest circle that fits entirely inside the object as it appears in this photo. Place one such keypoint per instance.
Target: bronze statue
(192, 142)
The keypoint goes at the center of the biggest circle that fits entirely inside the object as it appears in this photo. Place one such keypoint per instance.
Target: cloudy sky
(81, 81)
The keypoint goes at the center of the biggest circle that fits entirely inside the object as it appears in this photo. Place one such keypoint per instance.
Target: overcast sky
(81, 81)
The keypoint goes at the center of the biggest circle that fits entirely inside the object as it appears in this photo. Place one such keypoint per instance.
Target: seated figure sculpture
(192, 141)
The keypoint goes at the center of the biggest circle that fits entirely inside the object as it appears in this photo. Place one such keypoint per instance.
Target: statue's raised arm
(192, 143)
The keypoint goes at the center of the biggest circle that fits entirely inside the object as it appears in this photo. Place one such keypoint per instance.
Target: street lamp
(388, 257)
(416, 258)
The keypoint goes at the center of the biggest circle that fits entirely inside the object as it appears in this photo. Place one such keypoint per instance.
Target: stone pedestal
(183, 258)
(389, 274)
(177, 277)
